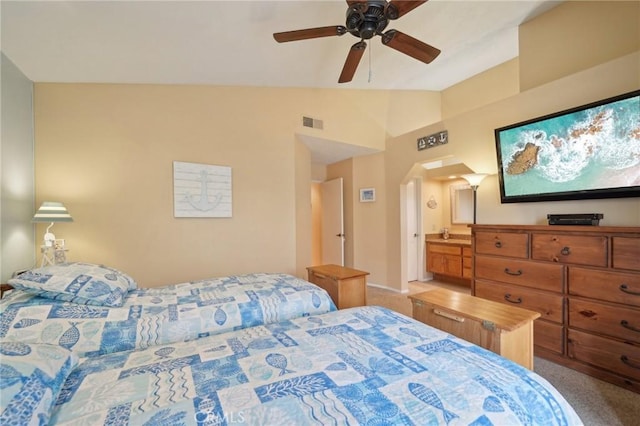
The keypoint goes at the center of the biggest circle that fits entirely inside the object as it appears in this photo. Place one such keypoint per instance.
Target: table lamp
(51, 211)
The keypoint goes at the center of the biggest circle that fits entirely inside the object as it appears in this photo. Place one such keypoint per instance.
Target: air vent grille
(312, 122)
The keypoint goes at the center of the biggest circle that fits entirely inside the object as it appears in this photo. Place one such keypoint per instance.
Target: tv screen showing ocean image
(591, 151)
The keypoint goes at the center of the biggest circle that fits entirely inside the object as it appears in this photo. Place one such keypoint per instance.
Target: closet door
(332, 222)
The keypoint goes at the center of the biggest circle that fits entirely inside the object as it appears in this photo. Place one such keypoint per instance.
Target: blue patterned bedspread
(156, 316)
(367, 366)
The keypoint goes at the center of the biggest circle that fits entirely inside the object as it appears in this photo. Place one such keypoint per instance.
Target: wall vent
(311, 122)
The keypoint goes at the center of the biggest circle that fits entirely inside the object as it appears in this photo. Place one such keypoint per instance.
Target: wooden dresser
(583, 280)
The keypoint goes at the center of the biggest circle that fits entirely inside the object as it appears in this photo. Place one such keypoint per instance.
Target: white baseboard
(384, 287)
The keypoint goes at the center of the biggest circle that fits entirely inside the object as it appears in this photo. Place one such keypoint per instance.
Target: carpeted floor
(597, 403)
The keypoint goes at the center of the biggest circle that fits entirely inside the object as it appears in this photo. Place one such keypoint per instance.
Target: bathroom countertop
(449, 241)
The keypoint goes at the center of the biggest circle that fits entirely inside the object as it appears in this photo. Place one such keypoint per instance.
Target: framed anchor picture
(201, 190)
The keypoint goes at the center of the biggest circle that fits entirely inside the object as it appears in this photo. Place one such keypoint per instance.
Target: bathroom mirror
(461, 204)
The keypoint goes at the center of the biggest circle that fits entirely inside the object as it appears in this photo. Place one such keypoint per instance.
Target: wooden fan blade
(410, 46)
(397, 8)
(360, 5)
(336, 30)
(351, 64)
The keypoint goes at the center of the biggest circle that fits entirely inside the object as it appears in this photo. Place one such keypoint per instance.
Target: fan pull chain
(370, 48)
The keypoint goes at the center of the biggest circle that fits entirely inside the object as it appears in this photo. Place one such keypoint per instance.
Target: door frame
(404, 243)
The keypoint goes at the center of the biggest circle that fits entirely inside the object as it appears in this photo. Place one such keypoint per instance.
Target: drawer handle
(625, 324)
(627, 361)
(507, 297)
(624, 288)
(516, 273)
(319, 275)
(566, 251)
(498, 244)
(449, 315)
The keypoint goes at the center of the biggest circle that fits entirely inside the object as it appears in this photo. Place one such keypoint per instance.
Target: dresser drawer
(544, 276)
(509, 244)
(466, 267)
(605, 285)
(575, 249)
(444, 248)
(614, 321)
(626, 253)
(549, 336)
(617, 357)
(549, 305)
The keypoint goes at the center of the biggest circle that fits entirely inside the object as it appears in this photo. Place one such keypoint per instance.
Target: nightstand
(505, 330)
(3, 288)
(346, 286)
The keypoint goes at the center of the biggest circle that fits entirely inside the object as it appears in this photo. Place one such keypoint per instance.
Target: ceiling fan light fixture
(368, 29)
(365, 20)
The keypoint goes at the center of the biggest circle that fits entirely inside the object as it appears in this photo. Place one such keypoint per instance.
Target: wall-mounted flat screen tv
(592, 151)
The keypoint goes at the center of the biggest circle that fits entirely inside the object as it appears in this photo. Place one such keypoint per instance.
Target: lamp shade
(52, 211)
(474, 179)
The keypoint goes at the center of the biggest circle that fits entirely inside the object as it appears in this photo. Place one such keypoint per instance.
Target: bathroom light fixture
(474, 180)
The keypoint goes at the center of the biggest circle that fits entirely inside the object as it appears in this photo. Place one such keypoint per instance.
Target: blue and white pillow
(31, 378)
(83, 283)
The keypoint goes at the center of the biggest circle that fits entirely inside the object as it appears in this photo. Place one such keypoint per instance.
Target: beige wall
(569, 38)
(369, 248)
(574, 36)
(433, 220)
(304, 224)
(106, 151)
(482, 89)
(409, 110)
(367, 109)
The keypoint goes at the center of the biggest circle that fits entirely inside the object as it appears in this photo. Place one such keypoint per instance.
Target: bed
(366, 365)
(50, 306)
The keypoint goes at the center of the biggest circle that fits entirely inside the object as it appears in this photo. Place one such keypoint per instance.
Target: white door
(413, 235)
(332, 223)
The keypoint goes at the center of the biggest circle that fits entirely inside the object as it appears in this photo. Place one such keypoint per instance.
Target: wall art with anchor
(201, 190)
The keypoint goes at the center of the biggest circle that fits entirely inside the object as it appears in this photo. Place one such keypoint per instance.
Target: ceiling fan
(366, 19)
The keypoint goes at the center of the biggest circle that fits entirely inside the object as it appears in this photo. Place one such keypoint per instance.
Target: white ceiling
(231, 42)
